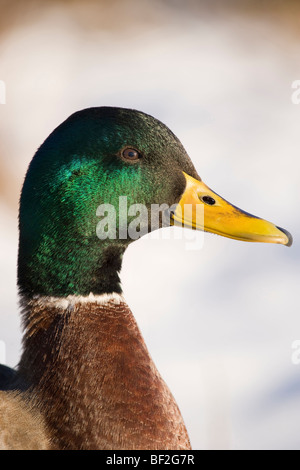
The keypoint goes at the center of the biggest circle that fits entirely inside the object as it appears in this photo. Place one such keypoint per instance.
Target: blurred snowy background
(219, 322)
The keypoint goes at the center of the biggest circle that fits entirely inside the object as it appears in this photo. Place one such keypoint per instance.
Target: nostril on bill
(208, 200)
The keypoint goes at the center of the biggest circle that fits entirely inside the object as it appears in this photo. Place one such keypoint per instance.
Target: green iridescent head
(91, 159)
(96, 158)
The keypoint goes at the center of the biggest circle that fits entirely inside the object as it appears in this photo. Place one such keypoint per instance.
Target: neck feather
(86, 361)
(66, 268)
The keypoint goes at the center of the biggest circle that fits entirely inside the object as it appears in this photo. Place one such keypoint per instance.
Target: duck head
(95, 163)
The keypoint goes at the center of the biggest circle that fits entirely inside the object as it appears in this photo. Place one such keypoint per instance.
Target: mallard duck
(85, 378)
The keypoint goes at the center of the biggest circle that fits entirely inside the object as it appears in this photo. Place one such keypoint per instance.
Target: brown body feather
(88, 366)
(21, 424)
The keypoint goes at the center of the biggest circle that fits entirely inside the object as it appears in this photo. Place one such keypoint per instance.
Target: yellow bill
(223, 218)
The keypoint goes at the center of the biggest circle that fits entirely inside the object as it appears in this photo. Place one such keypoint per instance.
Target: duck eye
(208, 200)
(131, 154)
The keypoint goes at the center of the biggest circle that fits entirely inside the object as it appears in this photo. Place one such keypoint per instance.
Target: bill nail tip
(289, 236)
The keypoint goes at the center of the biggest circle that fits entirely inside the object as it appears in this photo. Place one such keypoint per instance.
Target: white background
(219, 322)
